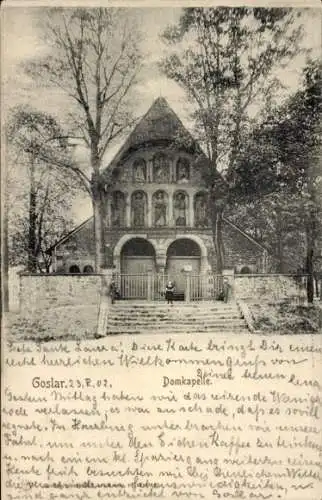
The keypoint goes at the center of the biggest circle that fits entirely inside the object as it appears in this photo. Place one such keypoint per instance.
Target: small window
(245, 270)
(88, 270)
(74, 269)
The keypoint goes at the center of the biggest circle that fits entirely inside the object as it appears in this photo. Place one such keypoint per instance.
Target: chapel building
(157, 219)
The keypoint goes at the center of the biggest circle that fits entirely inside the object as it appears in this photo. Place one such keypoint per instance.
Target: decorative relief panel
(160, 203)
(201, 210)
(161, 168)
(118, 209)
(138, 208)
(180, 208)
(182, 171)
(139, 171)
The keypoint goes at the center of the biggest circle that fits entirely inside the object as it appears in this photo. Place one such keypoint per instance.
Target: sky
(21, 40)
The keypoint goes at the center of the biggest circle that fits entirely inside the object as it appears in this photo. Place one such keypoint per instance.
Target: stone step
(171, 321)
(181, 305)
(181, 324)
(167, 331)
(184, 317)
(174, 309)
(172, 313)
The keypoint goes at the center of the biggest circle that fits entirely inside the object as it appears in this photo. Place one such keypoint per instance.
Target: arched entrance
(182, 255)
(137, 260)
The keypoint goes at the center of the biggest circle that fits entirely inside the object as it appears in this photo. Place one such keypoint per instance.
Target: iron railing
(151, 286)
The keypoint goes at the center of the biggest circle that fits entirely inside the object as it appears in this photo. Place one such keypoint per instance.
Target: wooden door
(175, 270)
(134, 276)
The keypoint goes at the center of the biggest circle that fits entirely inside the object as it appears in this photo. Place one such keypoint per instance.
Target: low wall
(267, 287)
(40, 291)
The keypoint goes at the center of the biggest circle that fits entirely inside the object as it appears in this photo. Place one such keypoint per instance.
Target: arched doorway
(182, 255)
(74, 269)
(137, 259)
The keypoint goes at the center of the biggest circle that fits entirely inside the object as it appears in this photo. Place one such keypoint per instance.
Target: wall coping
(46, 275)
(270, 275)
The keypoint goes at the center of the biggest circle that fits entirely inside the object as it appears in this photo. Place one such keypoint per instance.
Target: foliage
(40, 196)
(224, 58)
(275, 221)
(286, 318)
(282, 156)
(94, 58)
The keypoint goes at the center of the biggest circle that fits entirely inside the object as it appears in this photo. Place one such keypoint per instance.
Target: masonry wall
(240, 251)
(268, 287)
(39, 291)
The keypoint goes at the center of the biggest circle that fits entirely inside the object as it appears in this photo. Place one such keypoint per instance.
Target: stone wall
(268, 287)
(40, 291)
(240, 251)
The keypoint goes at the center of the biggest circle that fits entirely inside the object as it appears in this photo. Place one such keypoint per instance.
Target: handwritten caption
(183, 417)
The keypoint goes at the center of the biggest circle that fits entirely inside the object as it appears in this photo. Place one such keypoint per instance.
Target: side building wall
(241, 253)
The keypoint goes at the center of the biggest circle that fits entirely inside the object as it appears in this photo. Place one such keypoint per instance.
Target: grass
(286, 318)
(63, 323)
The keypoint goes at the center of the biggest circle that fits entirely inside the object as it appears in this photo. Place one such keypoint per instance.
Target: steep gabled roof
(160, 125)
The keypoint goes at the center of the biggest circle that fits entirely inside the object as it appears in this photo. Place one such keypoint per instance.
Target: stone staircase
(157, 317)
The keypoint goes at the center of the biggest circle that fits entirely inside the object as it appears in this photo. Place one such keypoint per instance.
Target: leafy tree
(283, 156)
(94, 58)
(276, 221)
(224, 58)
(40, 195)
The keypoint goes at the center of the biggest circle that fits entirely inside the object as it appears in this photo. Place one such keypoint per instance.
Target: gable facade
(157, 218)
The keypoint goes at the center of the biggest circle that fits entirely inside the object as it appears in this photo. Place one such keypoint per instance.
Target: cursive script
(184, 417)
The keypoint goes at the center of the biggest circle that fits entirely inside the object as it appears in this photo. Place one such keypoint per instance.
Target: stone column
(149, 170)
(170, 209)
(229, 275)
(150, 285)
(187, 294)
(191, 211)
(149, 209)
(128, 210)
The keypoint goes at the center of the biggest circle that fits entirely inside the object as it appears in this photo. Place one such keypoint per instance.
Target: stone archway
(183, 255)
(137, 261)
(137, 256)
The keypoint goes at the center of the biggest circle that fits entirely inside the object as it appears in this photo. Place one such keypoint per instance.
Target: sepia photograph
(161, 252)
(162, 171)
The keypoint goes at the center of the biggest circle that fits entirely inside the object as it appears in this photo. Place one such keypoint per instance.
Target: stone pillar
(149, 209)
(150, 285)
(170, 210)
(107, 276)
(229, 275)
(149, 171)
(128, 210)
(191, 210)
(188, 287)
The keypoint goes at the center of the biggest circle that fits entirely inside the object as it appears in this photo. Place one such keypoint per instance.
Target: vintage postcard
(161, 251)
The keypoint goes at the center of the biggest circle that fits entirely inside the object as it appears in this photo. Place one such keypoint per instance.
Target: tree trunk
(310, 279)
(32, 240)
(216, 218)
(101, 255)
(279, 236)
(310, 238)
